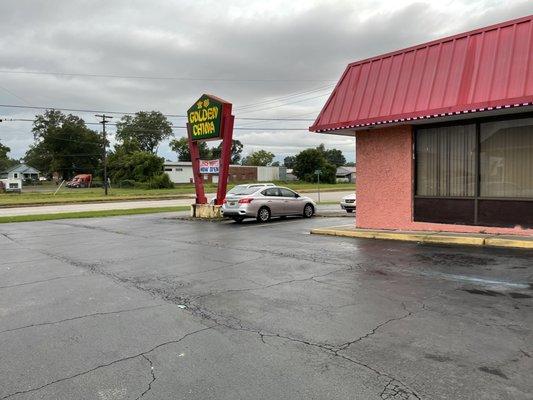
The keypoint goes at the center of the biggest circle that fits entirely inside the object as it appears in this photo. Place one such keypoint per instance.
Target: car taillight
(225, 201)
(246, 200)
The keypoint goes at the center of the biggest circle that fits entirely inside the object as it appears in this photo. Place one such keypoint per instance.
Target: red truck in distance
(80, 181)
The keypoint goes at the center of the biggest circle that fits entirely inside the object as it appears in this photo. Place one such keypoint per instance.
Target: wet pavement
(149, 306)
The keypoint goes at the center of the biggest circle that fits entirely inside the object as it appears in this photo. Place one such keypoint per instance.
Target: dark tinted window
(506, 159)
(446, 161)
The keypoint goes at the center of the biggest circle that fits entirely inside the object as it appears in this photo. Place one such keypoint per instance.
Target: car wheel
(309, 210)
(349, 210)
(263, 215)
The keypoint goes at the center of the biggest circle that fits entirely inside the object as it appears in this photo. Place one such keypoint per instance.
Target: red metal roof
(481, 70)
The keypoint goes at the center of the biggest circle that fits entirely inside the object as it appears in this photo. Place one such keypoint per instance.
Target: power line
(287, 104)
(14, 94)
(173, 126)
(80, 110)
(165, 78)
(286, 97)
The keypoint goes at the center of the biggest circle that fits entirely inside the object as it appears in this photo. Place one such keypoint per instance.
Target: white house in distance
(181, 172)
(345, 174)
(21, 171)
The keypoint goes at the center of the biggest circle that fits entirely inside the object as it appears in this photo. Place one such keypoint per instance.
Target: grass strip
(66, 196)
(90, 214)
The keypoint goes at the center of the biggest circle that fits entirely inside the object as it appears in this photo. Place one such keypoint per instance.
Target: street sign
(209, 166)
(205, 118)
(318, 172)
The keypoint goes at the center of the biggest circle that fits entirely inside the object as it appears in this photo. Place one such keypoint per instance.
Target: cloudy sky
(272, 59)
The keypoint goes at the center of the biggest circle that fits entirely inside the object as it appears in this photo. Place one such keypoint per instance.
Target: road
(126, 205)
(155, 307)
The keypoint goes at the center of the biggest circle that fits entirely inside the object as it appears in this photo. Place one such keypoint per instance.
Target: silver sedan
(265, 203)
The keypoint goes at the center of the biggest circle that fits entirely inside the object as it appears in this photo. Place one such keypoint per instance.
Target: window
(506, 158)
(476, 173)
(168, 169)
(241, 190)
(446, 161)
(15, 175)
(271, 192)
(287, 193)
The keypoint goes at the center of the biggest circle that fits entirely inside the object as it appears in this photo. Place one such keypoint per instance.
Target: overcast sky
(271, 59)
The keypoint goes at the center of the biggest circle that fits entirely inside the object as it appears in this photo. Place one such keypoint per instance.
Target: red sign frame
(226, 134)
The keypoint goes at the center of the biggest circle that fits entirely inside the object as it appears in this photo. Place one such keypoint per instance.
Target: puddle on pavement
(494, 293)
(460, 260)
(483, 292)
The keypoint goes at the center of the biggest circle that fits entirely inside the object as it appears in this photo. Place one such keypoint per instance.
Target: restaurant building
(444, 132)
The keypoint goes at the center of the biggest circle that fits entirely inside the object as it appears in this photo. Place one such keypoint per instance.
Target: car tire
(309, 211)
(264, 214)
(349, 210)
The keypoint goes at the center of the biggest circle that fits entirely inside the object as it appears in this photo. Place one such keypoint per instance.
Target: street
(131, 204)
(155, 307)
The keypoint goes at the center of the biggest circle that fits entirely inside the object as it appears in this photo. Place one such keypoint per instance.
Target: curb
(430, 238)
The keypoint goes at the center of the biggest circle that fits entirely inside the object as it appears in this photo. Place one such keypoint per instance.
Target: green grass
(66, 195)
(91, 214)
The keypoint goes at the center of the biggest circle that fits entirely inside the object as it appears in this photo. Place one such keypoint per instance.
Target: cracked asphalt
(158, 308)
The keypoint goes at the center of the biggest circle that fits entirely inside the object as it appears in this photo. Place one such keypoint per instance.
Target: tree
(275, 164)
(333, 156)
(289, 161)
(260, 158)
(310, 160)
(181, 146)
(5, 161)
(63, 144)
(236, 150)
(140, 166)
(145, 130)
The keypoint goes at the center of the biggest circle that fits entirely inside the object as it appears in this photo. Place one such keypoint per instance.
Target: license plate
(231, 203)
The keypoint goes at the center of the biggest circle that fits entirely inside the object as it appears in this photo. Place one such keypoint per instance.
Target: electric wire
(80, 110)
(173, 126)
(159, 78)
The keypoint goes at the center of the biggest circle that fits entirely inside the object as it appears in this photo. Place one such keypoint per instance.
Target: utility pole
(105, 119)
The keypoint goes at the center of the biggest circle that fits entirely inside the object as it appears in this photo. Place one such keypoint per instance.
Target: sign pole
(225, 158)
(317, 173)
(195, 160)
(318, 186)
(209, 118)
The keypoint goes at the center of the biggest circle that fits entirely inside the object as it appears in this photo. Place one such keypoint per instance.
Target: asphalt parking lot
(158, 308)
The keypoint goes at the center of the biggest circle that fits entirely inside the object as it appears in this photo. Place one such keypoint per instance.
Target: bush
(127, 183)
(139, 166)
(160, 181)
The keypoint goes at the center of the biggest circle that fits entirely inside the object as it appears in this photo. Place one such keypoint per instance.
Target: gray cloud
(292, 47)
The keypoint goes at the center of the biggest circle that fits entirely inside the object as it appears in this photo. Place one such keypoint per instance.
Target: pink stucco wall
(385, 171)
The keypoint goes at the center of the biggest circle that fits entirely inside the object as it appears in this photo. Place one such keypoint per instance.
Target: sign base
(206, 211)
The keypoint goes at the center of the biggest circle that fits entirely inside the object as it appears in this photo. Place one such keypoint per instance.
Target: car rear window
(271, 192)
(242, 191)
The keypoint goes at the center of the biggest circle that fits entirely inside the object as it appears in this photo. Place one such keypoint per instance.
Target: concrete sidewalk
(429, 237)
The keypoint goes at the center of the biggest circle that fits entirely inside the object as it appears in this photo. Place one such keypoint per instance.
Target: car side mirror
(296, 195)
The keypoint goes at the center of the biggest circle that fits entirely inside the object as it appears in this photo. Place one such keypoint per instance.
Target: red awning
(481, 70)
